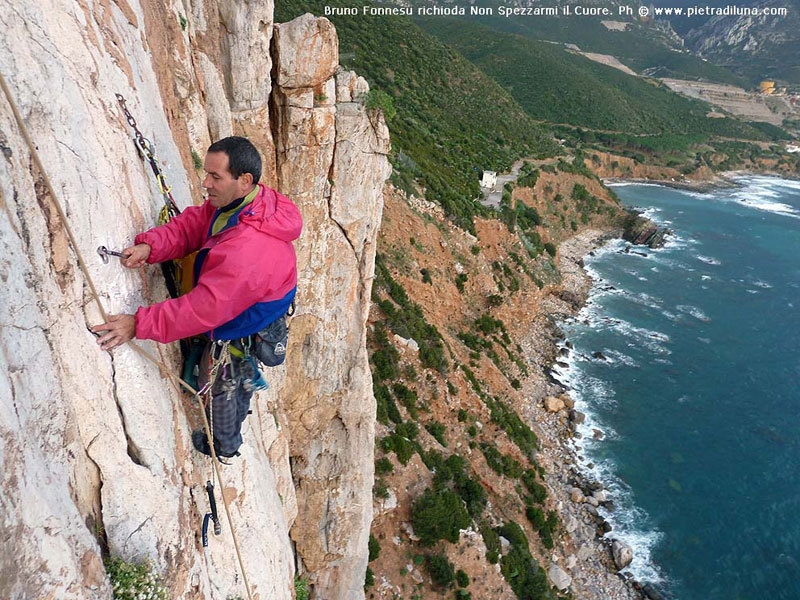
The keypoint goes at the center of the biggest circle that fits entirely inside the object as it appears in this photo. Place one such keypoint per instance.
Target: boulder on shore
(559, 577)
(553, 404)
(641, 231)
(622, 553)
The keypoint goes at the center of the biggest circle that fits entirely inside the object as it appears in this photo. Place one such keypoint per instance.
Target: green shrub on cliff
(384, 358)
(440, 569)
(439, 514)
(507, 419)
(492, 541)
(500, 463)
(130, 581)
(374, 548)
(406, 319)
(546, 525)
(520, 569)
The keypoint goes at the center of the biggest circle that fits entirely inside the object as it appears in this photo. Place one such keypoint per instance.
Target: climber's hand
(135, 256)
(120, 328)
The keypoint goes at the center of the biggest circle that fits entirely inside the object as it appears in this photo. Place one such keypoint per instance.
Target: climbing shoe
(200, 443)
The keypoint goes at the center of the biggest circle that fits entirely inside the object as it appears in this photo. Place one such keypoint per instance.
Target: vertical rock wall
(94, 448)
(327, 145)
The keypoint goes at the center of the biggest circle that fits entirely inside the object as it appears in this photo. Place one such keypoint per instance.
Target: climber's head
(233, 168)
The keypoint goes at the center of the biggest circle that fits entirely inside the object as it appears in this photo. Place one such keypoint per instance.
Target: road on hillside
(492, 197)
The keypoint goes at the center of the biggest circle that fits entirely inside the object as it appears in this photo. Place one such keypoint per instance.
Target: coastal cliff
(94, 447)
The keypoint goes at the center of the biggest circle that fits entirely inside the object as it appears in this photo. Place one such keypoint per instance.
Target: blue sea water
(698, 399)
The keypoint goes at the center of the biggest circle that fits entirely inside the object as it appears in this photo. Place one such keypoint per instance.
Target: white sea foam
(628, 521)
(709, 260)
(762, 284)
(760, 193)
(693, 311)
(616, 358)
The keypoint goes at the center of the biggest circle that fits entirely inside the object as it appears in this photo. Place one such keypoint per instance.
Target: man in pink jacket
(245, 276)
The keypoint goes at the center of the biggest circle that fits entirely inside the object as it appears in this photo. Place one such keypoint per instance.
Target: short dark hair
(242, 156)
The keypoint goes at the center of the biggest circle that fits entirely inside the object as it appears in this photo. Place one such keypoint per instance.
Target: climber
(245, 279)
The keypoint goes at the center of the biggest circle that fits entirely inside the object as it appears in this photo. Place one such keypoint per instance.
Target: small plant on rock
(132, 581)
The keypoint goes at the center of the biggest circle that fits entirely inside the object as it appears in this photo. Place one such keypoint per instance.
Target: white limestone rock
(559, 577)
(308, 51)
(622, 553)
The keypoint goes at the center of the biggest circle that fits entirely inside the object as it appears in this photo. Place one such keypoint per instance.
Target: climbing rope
(165, 370)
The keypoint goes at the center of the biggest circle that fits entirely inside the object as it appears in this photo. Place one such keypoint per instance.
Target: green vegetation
(461, 279)
(405, 318)
(132, 581)
(385, 357)
(437, 430)
(520, 569)
(462, 579)
(528, 176)
(452, 120)
(440, 569)
(439, 514)
(516, 429)
(545, 525)
(374, 548)
(402, 442)
(380, 489)
(196, 160)
(369, 578)
(452, 472)
(383, 466)
(380, 100)
(501, 463)
(386, 407)
(640, 46)
(492, 541)
(537, 490)
(408, 398)
(302, 591)
(584, 93)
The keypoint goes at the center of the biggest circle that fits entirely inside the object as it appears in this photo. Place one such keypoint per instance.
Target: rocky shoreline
(588, 559)
(723, 180)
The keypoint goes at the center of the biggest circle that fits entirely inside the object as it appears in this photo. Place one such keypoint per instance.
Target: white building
(489, 179)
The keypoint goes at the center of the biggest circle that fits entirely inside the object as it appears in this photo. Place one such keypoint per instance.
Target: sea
(686, 361)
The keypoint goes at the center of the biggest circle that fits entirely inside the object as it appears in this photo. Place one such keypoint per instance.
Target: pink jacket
(246, 275)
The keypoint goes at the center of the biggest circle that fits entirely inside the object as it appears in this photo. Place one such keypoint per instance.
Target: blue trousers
(230, 398)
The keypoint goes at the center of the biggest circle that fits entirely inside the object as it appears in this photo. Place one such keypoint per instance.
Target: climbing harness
(171, 269)
(96, 298)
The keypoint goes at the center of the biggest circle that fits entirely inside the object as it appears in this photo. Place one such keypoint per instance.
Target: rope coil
(163, 368)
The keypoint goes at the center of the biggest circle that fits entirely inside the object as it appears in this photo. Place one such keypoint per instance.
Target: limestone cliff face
(94, 448)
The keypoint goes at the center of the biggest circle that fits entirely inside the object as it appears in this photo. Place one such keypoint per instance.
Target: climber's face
(222, 187)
